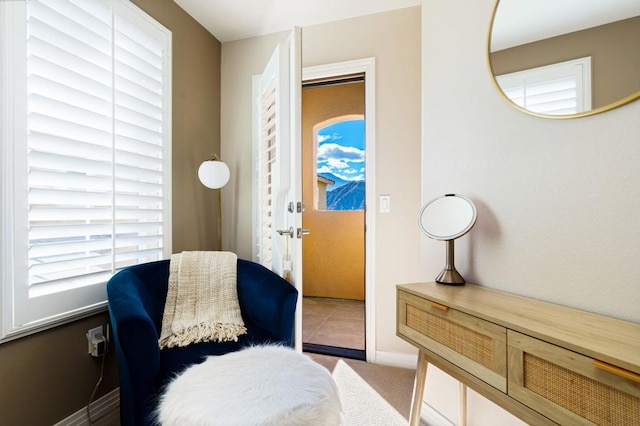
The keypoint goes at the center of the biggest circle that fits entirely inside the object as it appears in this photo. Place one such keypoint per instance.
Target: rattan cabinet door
(568, 387)
(471, 343)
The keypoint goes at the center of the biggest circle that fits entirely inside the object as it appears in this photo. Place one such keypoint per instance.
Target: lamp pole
(214, 174)
(219, 219)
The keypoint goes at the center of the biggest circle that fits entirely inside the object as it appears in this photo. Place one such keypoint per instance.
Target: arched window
(340, 163)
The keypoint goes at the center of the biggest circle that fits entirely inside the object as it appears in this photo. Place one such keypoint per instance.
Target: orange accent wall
(333, 253)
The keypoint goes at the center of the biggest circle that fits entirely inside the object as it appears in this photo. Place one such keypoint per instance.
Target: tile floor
(333, 322)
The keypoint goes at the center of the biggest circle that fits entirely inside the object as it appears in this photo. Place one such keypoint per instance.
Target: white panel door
(279, 218)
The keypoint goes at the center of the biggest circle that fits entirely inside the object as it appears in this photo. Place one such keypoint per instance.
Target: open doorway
(333, 191)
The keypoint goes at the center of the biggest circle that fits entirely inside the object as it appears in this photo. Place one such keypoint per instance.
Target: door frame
(366, 66)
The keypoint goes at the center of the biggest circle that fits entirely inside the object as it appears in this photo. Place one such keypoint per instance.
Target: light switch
(385, 204)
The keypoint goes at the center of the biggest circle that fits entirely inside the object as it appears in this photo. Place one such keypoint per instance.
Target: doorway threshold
(315, 348)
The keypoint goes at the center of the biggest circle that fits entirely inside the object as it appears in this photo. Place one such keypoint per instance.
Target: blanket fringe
(204, 332)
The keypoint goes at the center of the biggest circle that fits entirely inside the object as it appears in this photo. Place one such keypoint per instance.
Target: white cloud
(334, 152)
(323, 138)
(332, 137)
(337, 163)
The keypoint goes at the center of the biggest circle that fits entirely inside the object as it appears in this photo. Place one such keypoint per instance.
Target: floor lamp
(214, 174)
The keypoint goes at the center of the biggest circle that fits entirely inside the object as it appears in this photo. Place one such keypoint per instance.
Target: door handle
(302, 231)
(288, 232)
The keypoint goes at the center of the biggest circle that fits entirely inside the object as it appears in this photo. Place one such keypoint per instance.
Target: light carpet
(361, 404)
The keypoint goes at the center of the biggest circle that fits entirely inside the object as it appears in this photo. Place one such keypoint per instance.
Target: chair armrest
(137, 348)
(267, 300)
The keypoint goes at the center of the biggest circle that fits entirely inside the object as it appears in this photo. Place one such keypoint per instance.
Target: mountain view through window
(341, 166)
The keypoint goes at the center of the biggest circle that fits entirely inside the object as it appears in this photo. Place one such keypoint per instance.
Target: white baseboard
(394, 359)
(429, 416)
(105, 411)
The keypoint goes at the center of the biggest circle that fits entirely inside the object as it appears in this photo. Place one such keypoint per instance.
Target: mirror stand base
(450, 277)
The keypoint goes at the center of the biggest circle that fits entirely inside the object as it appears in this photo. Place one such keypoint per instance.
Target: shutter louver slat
(132, 117)
(85, 45)
(52, 127)
(69, 283)
(45, 214)
(45, 250)
(138, 201)
(62, 197)
(50, 145)
(125, 144)
(48, 53)
(43, 179)
(139, 92)
(62, 91)
(69, 266)
(145, 175)
(94, 17)
(66, 164)
(139, 188)
(138, 133)
(132, 69)
(61, 115)
(139, 43)
(142, 106)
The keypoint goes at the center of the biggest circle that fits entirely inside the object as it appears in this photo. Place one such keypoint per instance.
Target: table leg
(418, 389)
(462, 408)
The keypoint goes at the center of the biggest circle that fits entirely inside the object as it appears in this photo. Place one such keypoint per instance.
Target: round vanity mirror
(446, 218)
(566, 58)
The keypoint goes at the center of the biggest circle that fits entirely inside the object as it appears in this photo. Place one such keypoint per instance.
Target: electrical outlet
(96, 341)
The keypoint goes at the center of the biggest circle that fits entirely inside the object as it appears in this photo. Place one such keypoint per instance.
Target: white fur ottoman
(261, 385)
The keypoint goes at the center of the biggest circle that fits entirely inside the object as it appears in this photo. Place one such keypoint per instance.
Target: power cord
(93, 394)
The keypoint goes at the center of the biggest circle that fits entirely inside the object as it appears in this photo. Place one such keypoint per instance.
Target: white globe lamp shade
(213, 174)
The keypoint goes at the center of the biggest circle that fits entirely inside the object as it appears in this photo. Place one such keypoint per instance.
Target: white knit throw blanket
(202, 300)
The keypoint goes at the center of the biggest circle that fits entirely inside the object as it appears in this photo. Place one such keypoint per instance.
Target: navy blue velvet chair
(137, 297)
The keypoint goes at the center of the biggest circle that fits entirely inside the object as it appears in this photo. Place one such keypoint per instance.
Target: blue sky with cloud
(341, 150)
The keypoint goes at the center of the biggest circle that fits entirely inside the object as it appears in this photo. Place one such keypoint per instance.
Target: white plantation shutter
(140, 205)
(267, 159)
(557, 89)
(91, 173)
(69, 146)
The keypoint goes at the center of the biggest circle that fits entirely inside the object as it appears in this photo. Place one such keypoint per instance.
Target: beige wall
(240, 61)
(557, 200)
(615, 59)
(393, 38)
(196, 124)
(48, 376)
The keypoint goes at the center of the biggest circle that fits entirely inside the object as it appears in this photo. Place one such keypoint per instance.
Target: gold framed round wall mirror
(565, 58)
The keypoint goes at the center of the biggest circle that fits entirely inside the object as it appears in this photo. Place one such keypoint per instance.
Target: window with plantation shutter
(557, 89)
(87, 155)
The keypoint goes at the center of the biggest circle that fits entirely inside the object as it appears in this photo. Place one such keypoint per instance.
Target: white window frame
(577, 69)
(13, 267)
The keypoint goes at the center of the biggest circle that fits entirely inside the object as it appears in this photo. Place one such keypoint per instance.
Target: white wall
(393, 38)
(558, 200)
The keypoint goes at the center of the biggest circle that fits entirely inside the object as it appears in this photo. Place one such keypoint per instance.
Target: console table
(544, 363)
